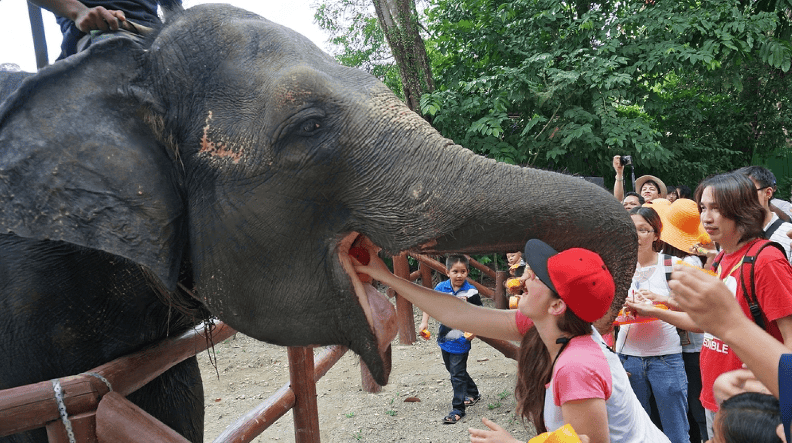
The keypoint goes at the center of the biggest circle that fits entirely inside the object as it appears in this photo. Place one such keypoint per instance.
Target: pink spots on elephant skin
(221, 149)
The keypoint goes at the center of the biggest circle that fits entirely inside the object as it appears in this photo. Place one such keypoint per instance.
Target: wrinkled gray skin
(233, 150)
(9, 81)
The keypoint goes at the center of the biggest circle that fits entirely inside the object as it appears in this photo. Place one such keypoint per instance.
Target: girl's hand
(376, 268)
(640, 306)
(496, 434)
(657, 298)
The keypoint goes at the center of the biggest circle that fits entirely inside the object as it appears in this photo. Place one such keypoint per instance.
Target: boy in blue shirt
(453, 343)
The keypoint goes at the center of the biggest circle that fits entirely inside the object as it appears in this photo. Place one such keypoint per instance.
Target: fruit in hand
(362, 256)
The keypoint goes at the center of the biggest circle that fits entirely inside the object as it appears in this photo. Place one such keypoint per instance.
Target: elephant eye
(309, 126)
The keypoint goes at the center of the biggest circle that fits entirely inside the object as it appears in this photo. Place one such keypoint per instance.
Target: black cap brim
(536, 255)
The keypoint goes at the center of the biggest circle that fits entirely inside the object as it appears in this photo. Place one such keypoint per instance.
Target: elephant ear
(79, 164)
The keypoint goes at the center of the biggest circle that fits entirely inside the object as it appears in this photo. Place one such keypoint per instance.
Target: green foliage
(358, 40)
(687, 88)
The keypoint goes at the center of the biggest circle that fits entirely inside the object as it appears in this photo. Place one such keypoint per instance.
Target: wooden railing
(97, 414)
(427, 264)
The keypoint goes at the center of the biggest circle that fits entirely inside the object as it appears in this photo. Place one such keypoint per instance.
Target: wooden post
(306, 411)
(257, 420)
(404, 309)
(426, 275)
(501, 300)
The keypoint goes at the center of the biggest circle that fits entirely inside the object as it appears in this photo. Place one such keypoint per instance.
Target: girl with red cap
(566, 373)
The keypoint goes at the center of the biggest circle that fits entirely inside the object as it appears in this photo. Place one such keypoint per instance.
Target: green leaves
(568, 85)
(688, 88)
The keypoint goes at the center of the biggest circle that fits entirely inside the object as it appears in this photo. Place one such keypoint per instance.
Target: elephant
(225, 166)
(9, 81)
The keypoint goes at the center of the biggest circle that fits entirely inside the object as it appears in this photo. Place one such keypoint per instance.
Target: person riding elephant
(204, 171)
(79, 20)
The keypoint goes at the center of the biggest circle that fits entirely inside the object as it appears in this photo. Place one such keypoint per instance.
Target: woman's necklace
(644, 273)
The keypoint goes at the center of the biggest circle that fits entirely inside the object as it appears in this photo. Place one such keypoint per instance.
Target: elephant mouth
(379, 311)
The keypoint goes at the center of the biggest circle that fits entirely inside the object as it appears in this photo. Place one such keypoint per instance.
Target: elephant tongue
(383, 316)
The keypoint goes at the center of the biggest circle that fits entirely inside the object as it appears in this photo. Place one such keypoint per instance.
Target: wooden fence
(98, 414)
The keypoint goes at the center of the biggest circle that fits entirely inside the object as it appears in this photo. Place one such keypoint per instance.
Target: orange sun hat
(682, 226)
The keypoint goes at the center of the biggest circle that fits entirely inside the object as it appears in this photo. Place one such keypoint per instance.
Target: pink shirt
(575, 381)
(523, 323)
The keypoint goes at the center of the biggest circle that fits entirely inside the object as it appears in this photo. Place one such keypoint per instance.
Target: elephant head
(235, 144)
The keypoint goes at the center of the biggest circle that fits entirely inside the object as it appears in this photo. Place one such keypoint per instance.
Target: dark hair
(534, 367)
(653, 218)
(453, 259)
(652, 182)
(736, 198)
(635, 194)
(683, 192)
(749, 417)
(764, 178)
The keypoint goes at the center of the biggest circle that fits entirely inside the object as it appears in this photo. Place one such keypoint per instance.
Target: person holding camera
(648, 186)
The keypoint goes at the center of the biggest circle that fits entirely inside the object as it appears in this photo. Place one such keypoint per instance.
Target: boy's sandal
(453, 417)
(470, 401)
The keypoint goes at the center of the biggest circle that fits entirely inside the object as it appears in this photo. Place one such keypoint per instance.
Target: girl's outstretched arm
(445, 308)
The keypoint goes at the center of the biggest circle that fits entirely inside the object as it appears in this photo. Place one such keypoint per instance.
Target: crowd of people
(697, 353)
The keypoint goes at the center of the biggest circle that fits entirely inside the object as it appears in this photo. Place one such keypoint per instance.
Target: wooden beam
(306, 410)
(439, 267)
(120, 420)
(32, 406)
(257, 420)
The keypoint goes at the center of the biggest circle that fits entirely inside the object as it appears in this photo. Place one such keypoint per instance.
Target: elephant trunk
(469, 204)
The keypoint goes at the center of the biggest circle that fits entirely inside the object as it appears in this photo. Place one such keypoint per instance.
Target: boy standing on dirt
(454, 344)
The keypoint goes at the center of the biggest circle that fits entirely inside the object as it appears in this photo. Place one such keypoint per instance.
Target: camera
(625, 160)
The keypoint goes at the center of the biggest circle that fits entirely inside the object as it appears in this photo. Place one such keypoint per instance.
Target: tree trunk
(399, 22)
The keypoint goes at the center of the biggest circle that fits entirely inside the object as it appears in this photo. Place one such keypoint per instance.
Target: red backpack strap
(668, 264)
(717, 260)
(747, 272)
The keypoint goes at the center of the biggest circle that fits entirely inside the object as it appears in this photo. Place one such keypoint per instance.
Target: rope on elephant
(62, 409)
(129, 29)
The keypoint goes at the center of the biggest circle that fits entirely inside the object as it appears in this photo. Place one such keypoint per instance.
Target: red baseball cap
(577, 275)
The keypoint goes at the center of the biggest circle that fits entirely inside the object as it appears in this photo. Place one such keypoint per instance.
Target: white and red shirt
(588, 369)
(773, 277)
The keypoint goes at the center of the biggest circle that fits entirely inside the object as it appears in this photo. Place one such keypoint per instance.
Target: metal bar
(39, 39)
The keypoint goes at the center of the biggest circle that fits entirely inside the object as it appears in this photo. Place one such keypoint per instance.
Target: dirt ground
(251, 371)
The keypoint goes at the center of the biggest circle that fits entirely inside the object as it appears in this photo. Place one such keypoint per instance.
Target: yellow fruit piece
(513, 301)
(468, 335)
(564, 434)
